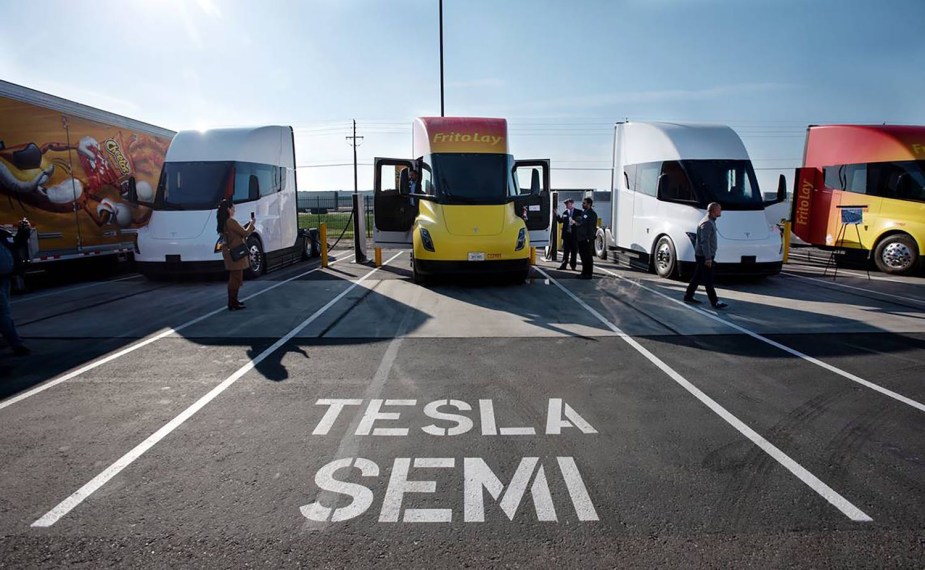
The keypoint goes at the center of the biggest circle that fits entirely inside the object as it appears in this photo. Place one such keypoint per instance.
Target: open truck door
(394, 208)
(533, 201)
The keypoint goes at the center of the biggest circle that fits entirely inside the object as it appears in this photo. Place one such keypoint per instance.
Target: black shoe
(232, 307)
(692, 301)
(21, 350)
(562, 267)
(720, 305)
(574, 268)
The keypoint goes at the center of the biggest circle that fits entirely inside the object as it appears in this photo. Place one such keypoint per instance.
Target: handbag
(238, 252)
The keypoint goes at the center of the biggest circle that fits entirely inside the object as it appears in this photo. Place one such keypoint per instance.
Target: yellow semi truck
(459, 204)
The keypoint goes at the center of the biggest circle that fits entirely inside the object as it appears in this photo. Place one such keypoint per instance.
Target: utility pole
(355, 142)
(441, 58)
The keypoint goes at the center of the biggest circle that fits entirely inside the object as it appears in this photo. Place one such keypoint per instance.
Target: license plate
(476, 256)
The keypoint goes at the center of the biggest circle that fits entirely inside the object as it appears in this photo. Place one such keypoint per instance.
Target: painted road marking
(132, 348)
(798, 470)
(70, 289)
(886, 392)
(842, 285)
(55, 514)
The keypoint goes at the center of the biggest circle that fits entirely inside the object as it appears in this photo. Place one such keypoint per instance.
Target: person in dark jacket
(704, 253)
(234, 235)
(569, 239)
(13, 246)
(586, 226)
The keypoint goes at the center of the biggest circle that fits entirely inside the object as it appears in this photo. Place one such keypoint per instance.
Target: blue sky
(561, 71)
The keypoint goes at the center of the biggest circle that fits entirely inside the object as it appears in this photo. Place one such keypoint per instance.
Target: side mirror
(661, 192)
(253, 187)
(132, 190)
(781, 191)
(535, 183)
(404, 186)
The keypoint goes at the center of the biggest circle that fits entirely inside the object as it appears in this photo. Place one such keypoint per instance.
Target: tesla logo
(747, 234)
(475, 230)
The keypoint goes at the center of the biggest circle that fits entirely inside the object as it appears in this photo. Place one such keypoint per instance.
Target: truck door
(394, 210)
(534, 200)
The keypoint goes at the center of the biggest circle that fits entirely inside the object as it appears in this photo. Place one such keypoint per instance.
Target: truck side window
(629, 177)
(647, 178)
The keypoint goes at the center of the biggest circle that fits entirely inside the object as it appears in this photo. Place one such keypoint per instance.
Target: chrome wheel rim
(663, 257)
(897, 255)
(255, 258)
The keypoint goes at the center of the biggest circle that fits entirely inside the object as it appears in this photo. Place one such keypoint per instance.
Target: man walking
(569, 239)
(704, 253)
(586, 224)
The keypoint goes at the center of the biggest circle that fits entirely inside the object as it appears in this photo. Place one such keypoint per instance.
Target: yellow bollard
(378, 257)
(532, 256)
(786, 239)
(323, 232)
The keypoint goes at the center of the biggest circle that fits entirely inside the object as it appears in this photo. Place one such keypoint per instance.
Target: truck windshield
(471, 178)
(192, 185)
(732, 183)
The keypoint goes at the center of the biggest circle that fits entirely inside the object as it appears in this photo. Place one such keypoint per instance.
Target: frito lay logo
(460, 137)
(918, 149)
(113, 148)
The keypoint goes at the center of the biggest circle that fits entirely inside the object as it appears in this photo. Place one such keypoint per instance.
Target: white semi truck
(664, 176)
(255, 168)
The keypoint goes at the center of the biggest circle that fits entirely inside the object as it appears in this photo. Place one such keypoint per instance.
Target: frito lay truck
(460, 204)
(862, 189)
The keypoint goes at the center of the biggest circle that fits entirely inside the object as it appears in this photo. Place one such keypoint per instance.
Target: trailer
(69, 169)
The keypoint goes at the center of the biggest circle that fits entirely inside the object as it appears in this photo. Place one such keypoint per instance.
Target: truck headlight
(426, 241)
(521, 239)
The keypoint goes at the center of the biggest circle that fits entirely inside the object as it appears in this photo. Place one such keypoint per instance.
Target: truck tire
(600, 245)
(897, 254)
(258, 264)
(664, 258)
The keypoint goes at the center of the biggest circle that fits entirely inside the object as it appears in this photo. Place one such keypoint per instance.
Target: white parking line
(842, 285)
(65, 506)
(69, 289)
(813, 482)
(844, 374)
(140, 344)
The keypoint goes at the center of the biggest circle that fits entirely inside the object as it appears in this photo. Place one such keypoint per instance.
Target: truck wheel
(600, 247)
(306, 247)
(416, 275)
(255, 256)
(896, 254)
(665, 260)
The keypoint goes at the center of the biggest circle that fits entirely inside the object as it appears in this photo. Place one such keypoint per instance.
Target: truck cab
(459, 204)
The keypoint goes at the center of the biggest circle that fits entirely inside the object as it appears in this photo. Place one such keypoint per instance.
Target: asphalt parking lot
(349, 417)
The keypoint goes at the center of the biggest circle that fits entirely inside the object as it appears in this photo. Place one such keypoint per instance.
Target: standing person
(704, 253)
(586, 226)
(569, 239)
(234, 235)
(11, 264)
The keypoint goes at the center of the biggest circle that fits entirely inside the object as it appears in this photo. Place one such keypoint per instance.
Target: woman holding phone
(234, 236)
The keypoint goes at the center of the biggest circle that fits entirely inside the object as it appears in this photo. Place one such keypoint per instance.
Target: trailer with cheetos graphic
(459, 204)
(73, 170)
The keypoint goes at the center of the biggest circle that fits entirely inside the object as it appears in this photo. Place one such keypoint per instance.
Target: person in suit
(586, 233)
(234, 235)
(569, 231)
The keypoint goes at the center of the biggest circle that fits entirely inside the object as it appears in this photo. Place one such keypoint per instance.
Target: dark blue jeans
(6, 318)
(702, 275)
